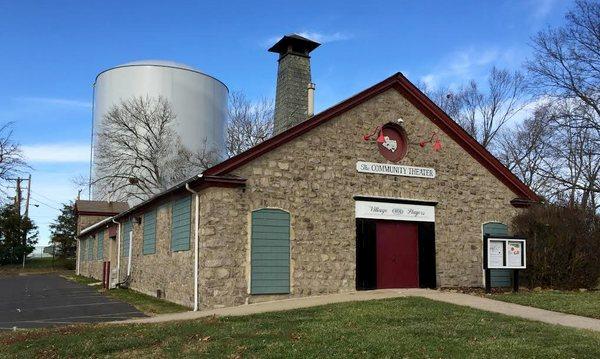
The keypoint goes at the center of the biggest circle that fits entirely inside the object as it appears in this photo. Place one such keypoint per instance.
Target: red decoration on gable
(391, 141)
(437, 144)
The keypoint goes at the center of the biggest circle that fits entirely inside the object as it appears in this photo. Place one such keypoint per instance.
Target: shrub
(563, 246)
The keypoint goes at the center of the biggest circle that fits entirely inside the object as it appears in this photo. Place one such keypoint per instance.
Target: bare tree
(566, 68)
(566, 62)
(138, 154)
(574, 161)
(12, 161)
(448, 100)
(484, 114)
(526, 149)
(248, 123)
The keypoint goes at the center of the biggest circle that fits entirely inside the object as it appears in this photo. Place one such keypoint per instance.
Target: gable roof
(417, 99)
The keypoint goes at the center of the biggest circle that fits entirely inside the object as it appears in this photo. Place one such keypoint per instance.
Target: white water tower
(199, 102)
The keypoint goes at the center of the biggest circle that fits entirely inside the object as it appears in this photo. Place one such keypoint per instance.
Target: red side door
(397, 254)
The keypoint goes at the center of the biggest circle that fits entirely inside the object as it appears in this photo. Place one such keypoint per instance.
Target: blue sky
(51, 51)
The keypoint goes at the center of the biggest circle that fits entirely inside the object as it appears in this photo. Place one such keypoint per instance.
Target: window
(180, 224)
(125, 230)
(270, 252)
(100, 240)
(149, 233)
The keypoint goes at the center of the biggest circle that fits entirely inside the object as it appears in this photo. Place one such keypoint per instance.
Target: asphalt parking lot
(31, 301)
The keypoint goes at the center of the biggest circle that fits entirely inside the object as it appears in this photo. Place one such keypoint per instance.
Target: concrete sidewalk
(281, 305)
(515, 310)
(467, 300)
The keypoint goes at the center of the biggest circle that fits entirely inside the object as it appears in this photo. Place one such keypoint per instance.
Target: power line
(47, 198)
(43, 203)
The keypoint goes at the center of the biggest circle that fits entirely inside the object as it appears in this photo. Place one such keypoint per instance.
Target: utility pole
(28, 194)
(18, 200)
(18, 208)
(26, 213)
(18, 197)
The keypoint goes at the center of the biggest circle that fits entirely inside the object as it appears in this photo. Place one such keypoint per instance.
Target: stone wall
(170, 272)
(93, 268)
(314, 178)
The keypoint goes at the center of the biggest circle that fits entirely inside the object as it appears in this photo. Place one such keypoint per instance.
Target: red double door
(397, 254)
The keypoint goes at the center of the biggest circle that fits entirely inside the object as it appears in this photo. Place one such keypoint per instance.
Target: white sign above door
(395, 211)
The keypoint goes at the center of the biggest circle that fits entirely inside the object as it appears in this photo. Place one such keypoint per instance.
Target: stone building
(381, 190)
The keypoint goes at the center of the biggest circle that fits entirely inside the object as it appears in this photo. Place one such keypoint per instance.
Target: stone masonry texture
(291, 100)
(170, 272)
(314, 178)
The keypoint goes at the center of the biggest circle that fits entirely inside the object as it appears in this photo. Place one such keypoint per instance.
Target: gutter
(199, 181)
(196, 235)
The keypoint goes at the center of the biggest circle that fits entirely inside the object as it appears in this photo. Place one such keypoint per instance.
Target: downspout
(118, 250)
(130, 234)
(78, 254)
(197, 213)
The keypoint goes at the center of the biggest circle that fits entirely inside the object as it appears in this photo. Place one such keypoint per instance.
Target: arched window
(270, 252)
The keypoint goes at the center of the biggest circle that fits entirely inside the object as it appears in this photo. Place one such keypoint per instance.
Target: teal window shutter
(498, 277)
(125, 229)
(149, 232)
(270, 252)
(82, 253)
(181, 224)
(100, 252)
(90, 248)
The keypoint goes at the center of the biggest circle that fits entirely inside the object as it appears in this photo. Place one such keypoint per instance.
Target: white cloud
(463, 65)
(57, 152)
(324, 37)
(541, 8)
(51, 101)
(320, 37)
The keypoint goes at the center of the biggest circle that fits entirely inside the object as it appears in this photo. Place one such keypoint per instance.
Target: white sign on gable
(395, 211)
(395, 170)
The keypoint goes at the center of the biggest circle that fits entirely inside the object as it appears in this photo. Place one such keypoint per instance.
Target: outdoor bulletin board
(505, 253)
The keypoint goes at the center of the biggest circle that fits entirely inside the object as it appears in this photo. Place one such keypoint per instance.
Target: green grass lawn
(145, 303)
(403, 327)
(580, 303)
(39, 265)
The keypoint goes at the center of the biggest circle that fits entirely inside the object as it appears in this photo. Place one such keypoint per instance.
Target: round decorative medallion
(392, 142)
